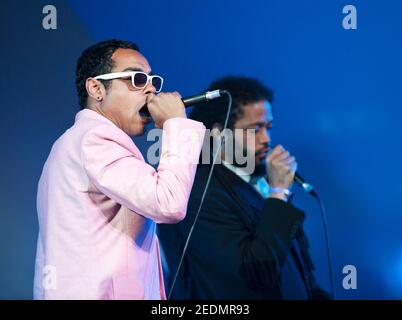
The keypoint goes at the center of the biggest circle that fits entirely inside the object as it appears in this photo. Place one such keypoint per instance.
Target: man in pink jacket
(98, 200)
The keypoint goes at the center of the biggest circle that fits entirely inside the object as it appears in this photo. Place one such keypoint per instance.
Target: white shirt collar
(261, 185)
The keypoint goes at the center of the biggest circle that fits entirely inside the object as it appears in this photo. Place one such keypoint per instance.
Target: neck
(99, 110)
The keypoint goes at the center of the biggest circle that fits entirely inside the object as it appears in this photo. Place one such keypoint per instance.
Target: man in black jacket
(248, 242)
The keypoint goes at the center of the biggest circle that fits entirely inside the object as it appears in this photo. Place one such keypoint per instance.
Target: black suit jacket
(242, 247)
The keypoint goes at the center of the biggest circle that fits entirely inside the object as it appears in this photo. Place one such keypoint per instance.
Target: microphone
(192, 100)
(204, 97)
(305, 185)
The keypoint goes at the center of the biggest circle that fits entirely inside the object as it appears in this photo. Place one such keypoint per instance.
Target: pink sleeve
(116, 168)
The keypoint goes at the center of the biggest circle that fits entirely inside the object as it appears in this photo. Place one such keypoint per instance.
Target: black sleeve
(256, 252)
(265, 249)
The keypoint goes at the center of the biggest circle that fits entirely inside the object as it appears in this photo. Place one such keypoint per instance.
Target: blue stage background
(338, 108)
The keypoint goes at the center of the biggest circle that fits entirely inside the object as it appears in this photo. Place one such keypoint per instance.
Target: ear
(95, 89)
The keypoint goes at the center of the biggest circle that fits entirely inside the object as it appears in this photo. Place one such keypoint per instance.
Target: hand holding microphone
(167, 105)
(281, 167)
(164, 106)
(281, 173)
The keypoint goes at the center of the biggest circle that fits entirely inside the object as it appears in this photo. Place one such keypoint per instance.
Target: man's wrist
(280, 193)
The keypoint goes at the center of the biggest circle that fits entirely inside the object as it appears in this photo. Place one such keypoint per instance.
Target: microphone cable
(325, 228)
(227, 93)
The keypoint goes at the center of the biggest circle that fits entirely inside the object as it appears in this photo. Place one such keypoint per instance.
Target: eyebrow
(136, 69)
(267, 123)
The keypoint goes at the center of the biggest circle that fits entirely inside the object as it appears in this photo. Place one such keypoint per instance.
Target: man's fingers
(290, 160)
(293, 167)
(281, 156)
(150, 96)
(177, 94)
(170, 97)
(281, 166)
(276, 151)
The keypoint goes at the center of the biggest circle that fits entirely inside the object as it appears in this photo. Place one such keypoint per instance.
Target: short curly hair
(244, 90)
(97, 60)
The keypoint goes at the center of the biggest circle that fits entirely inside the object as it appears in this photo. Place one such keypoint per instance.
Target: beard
(259, 170)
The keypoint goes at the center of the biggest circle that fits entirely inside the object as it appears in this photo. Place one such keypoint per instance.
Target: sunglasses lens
(157, 83)
(140, 80)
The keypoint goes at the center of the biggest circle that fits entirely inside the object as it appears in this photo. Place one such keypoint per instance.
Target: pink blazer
(98, 204)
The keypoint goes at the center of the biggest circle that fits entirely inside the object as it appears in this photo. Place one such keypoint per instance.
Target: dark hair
(244, 90)
(97, 60)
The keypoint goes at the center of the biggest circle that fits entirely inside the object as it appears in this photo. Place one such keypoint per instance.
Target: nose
(264, 136)
(149, 88)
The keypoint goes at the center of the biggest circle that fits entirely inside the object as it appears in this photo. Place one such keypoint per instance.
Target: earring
(99, 98)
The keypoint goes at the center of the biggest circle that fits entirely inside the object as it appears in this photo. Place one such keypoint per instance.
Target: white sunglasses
(139, 79)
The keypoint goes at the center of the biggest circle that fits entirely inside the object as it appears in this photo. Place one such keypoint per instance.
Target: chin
(137, 128)
(138, 132)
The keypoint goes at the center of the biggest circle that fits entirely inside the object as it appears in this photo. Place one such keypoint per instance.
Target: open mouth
(145, 115)
(144, 112)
